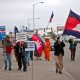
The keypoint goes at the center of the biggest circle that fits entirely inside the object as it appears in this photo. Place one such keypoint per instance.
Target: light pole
(33, 14)
(31, 19)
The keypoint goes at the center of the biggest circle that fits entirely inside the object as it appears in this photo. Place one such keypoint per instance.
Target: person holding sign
(27, 52)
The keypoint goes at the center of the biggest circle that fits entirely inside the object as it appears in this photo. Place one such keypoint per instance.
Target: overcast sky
(17, 12)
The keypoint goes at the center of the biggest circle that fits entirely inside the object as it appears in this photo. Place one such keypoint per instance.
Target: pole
(28, 23)
(47, 24)
(33, 18)
(33, 15)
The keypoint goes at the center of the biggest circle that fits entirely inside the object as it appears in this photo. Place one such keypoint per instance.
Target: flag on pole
(51, 17)
(39, 45)
(72, 26)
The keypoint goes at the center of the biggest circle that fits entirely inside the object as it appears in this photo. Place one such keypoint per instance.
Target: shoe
(19, 68)
(31, 58)
(24, 70)
(60, 72)
(39, 59)
(5, 68)
(10, 69)
(28, 64)
(73, 59)
(56, 70)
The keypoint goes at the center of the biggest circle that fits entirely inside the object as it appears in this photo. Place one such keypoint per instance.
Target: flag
(72, 26)
(51, 17)
(39, 45)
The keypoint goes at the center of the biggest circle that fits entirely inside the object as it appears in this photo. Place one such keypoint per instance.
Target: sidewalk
(38, 70)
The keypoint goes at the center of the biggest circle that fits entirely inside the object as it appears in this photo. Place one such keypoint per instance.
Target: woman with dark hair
(72, 48)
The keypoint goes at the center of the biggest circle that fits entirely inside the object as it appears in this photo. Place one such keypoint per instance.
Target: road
(44, 70)
(73, 67)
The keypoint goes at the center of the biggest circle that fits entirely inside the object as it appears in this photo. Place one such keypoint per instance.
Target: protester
(4, 52)
(20, 53)
(7, 49)
(72, 48)
(58, 55)
(47, 49)
(27, 53)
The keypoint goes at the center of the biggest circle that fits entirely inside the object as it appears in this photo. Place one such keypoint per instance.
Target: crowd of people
(23, 57)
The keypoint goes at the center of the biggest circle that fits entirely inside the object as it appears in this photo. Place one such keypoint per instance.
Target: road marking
(67, 75)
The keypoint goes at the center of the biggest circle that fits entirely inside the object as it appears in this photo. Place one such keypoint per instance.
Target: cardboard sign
(21, 36)
(31, 46)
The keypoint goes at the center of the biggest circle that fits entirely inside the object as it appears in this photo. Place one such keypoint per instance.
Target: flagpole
(50, 19)
(47, 24)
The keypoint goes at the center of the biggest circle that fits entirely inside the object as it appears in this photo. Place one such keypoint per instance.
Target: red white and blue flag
(72, 26)
(39, 45)
(51, 17)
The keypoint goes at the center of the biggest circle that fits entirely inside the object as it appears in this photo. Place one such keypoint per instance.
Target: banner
(2, 32)
(31, 46)
(21, 36)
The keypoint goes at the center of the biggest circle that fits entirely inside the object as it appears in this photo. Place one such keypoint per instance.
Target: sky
(17, 12)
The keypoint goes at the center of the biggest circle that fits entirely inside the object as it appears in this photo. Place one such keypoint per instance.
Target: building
(44, 31)
(60, 29)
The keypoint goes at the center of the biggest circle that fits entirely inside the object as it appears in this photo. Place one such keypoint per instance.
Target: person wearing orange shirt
(47, 49)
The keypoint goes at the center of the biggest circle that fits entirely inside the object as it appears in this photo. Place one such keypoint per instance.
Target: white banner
(21, 36)
(31, 46)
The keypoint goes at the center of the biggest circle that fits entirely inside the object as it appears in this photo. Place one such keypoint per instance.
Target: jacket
(58, 48)
(8, 46)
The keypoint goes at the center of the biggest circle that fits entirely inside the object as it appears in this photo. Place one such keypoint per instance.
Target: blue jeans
(7, 59)
(5, 56)
(27, 56)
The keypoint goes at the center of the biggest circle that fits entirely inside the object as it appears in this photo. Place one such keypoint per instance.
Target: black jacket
(20, 50)
(59, 48)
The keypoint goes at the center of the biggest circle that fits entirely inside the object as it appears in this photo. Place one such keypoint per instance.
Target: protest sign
(31, 46)
(21, 36)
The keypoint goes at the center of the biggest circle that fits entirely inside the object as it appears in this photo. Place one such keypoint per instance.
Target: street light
(33, 14)
(31, 19)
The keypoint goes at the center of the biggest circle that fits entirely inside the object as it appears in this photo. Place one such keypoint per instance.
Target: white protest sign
(21, 36)
(31, 46)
